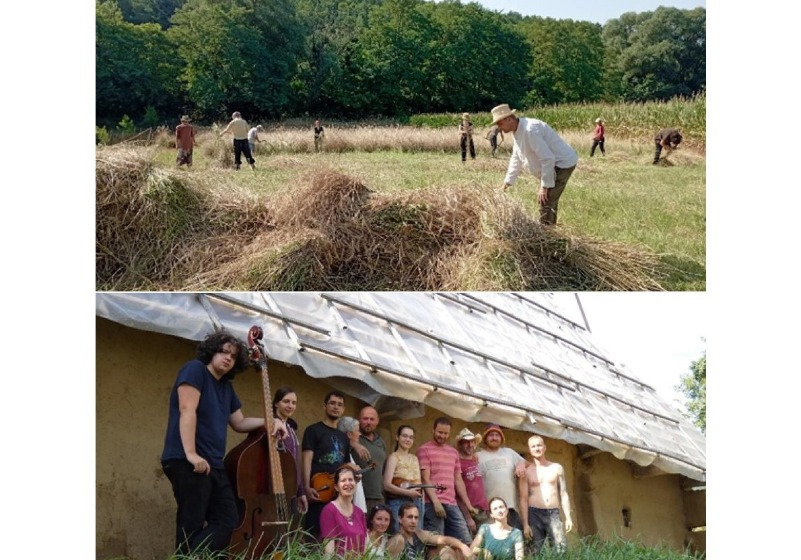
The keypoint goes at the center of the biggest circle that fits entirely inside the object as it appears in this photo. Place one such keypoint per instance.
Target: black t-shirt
(331, 447)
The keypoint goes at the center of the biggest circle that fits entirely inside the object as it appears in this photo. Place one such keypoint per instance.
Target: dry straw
(169, 230)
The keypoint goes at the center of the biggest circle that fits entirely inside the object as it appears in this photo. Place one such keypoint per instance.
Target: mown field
(397, 197)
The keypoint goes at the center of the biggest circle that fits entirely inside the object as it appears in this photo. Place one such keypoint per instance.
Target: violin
(323, 482)
(411, 485)
(262, 473)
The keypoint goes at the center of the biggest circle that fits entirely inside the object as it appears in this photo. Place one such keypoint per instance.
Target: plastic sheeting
(516, 359)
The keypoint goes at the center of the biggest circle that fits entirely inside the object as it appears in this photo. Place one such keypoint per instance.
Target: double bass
(262, 473)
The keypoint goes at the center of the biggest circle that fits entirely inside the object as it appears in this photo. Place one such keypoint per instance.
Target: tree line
(273, 59)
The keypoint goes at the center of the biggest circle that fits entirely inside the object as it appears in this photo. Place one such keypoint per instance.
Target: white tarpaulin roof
(517, 359)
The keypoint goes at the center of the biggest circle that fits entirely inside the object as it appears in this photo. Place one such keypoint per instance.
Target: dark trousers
(207, 512)
(494, 144)
(545, 525)
(657, 151)
(466, 139)
(513, 518)
(311, 521)
(597, 144)
(242, 147)
(549, 209)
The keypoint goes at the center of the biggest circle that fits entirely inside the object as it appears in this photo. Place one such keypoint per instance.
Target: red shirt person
(184, 141)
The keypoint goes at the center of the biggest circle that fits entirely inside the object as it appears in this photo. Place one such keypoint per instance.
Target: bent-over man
(547, 156)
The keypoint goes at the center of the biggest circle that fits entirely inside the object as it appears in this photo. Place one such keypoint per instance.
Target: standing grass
(587, 548)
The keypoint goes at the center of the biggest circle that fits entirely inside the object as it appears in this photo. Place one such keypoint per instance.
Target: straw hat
(185, 118)
(467, 435)
(599, 119)
(465, 115)
(501, 112)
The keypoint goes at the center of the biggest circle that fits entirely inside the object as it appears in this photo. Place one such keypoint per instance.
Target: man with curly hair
(202, 405)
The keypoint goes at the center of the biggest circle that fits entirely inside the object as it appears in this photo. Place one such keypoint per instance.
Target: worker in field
(668, 138)
(598, 138)
(466, 137)
(253, 138)
(184, 141)
(319, 135)
(239, 128)
(548, 157)
(492, 136)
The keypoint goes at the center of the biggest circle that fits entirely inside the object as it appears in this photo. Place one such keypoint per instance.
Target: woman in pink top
(343, 526)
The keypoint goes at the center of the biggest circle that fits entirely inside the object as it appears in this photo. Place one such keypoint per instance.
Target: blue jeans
(395, 504)
(453, 525)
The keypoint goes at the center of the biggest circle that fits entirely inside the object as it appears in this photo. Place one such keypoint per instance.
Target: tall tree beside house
(693, 385)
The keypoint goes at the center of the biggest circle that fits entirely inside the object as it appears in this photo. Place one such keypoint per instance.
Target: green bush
(101, 135)
(126, 124)
(151, 118)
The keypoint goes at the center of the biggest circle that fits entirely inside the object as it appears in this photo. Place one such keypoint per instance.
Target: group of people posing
(452, 501)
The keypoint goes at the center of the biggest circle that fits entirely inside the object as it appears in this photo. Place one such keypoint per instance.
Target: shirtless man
(542, 491)
(411, 543)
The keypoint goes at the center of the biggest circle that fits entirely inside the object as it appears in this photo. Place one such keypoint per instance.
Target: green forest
(364, 59)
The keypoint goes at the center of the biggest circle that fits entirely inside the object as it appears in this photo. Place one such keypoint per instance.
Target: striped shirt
(442, 463)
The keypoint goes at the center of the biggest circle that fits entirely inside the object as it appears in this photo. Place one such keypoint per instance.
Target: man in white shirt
(547, 156)
(253, 137)
(499, 467)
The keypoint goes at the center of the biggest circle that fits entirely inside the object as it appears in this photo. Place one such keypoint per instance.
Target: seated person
(412, 543)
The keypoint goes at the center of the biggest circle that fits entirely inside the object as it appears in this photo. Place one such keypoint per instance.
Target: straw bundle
(156, 230)
(154, 227)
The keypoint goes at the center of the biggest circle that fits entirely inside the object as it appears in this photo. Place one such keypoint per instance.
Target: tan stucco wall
(134, 503)
(655, 504)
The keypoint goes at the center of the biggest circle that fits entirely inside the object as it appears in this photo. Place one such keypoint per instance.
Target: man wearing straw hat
(466, 442)
(184, 141)
(547, 156)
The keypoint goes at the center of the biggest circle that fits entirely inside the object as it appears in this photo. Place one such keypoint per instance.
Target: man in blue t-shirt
(202, 406)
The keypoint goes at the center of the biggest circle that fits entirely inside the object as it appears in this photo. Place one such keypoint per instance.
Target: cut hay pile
(331, 232)
(155, 228)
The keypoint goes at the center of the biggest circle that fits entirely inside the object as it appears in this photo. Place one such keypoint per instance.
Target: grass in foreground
(587, 548)
(618, 199)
